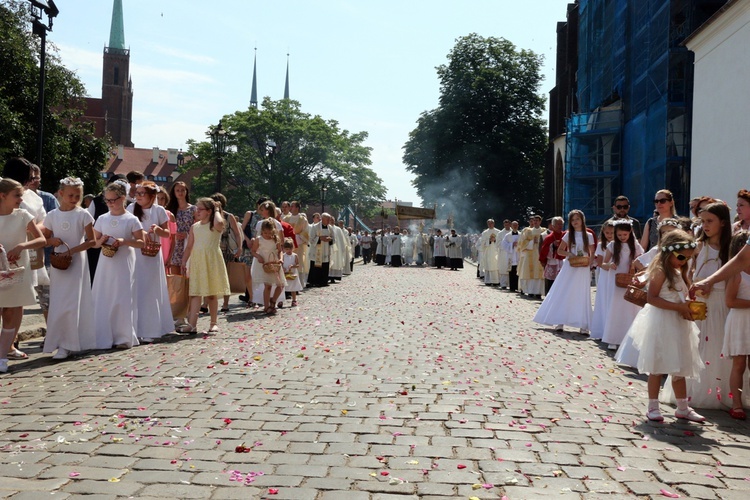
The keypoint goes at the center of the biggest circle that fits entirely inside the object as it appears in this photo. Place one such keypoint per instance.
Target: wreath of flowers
(71, 181)
(679, 246)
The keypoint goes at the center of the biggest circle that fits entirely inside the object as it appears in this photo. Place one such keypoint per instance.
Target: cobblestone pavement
(395, 383)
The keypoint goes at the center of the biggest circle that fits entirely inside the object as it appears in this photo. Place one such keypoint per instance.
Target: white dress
(115, 304)
(621, 312)
(12, 232)
(737, 326)
(712, 390)
(292, 285)
(70, 322)
(604, 289)
(569, 300)
(152, 297)
(668, 344)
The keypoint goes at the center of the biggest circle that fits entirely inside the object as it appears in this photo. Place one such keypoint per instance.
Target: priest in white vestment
(338, 254)
(454, 251)
(510, 244)
(530, 270)
(321, 242)
(503, 259)
(489, 260)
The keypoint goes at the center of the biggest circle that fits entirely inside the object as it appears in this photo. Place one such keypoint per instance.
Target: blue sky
(368, 64)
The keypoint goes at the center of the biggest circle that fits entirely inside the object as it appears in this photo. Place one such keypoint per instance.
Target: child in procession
(290, 265)
(605, 282)
(70, 324)
(266, 249)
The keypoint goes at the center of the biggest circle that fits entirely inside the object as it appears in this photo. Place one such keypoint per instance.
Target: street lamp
(40, 29)
(219, 143)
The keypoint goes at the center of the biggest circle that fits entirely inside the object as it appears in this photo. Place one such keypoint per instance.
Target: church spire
(286, 85)
(117, 30)
(254, 89)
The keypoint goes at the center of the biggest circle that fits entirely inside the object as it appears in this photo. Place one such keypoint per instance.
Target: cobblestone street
(393, 384)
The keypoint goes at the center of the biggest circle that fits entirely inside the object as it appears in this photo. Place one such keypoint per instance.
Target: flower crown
(622, 222)
(71, 181)
(679, 246)
(668, 222)
(123, 183)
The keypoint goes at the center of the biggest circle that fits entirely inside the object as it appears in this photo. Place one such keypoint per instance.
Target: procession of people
(138, 263)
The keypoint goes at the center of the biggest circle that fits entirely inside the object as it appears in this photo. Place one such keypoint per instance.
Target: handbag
(236, 274)
(179, 295)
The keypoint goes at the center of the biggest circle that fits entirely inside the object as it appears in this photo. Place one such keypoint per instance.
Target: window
(117, 75)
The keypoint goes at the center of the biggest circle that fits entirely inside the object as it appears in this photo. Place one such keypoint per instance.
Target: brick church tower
(117, 88)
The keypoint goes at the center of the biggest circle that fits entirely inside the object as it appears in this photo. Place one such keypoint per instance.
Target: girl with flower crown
(621, 253)
(152, 298)
(70, 324)
(664, 332)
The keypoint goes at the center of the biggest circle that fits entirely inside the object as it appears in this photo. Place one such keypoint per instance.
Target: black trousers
(366, 253)
(547, 285)
(513, 279)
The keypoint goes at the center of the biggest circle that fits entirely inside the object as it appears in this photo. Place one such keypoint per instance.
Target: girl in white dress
(712, 389)
(664, 332)
(70, 324)
(15, 224)
(627, 354)
(605, 283)
(737, 330)
(115, 303)
(569, 300)
(619, 259)
(291, 270)
(152, 297)
(266, 249)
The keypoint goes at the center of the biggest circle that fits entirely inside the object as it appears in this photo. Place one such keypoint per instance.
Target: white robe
(152, 297)
(70, 322)
(338, 253)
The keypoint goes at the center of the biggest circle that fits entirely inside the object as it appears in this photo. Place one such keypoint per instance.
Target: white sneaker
(558, 328)
(612, 347)
(61, 353)
(690, 415)
(3, 366)
(654, 415)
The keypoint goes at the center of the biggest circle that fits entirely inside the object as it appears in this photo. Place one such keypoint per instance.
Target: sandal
(15, 354)
(225, 309)
(213, 329)
(186, 329)
(280, 305)
(204, 310)
(737, 413)
(294, 303)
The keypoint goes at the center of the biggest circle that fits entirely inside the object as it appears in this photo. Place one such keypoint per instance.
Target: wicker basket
(272, 267)
(109, 250)
(9, 276)
(152, 245)
(61, 260)
(579, 261)
(636, 296)
(623, 280)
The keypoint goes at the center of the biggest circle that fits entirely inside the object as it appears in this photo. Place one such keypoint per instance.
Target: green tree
(279, 151)
(69, 146)
(480, 153)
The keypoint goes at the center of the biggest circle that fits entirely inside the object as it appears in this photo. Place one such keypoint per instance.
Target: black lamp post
(219, 143)
(40, 29)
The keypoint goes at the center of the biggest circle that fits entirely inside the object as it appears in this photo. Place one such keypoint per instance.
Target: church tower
(117, 88)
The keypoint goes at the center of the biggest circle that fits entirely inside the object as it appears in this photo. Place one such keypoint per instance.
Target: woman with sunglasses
(663, 209)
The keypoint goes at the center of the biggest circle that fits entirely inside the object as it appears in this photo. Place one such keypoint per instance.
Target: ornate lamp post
(40, 29)
(219, 143)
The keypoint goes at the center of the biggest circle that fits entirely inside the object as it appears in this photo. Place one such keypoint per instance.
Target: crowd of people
(108, 274)
(136, 262)
(681, 265)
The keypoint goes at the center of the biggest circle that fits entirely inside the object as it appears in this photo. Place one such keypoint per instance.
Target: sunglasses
(680, 257)
(622, 207)
(662, 200)
(111, 201)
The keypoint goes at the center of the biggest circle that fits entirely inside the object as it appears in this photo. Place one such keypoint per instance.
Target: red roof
(141, 159)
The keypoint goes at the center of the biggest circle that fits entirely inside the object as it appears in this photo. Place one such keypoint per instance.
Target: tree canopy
(279, 151)
(480, 153)
(69, 146)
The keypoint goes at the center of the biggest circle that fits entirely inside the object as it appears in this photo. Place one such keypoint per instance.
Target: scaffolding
(633, 71)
